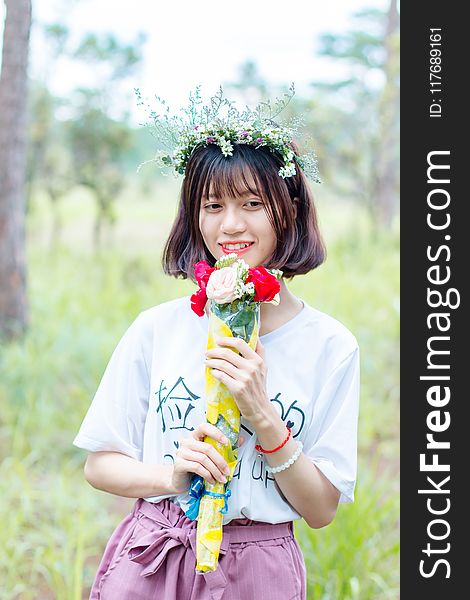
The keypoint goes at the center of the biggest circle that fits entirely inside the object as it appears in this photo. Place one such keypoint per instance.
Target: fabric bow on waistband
(151, 549)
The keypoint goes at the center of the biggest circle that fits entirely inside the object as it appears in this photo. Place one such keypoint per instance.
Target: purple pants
(152, 555)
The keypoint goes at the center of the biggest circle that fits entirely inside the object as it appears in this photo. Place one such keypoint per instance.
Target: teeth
(235, 246)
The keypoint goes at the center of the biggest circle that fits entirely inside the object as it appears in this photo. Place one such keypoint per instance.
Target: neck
(288, 302)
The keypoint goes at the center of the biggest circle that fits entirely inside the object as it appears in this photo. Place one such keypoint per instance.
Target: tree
(386, 183)
(98, 134)
(49, 166)
(13, 94)
(83, 139)
(364, 148)
(98, 145)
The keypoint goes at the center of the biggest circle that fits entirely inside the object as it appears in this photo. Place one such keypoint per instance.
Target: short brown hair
(300, 247)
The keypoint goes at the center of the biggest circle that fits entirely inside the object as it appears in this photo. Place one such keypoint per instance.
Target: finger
(194, 467)
(237, 344)
(225, 379)
(241, 440)
(211, 430)
(223, 365)
(226, 354)
(206, 462)
(212, 453)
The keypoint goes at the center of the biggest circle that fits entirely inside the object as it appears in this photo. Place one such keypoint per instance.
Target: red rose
(198, 302)
(202, 271)
(266, 285)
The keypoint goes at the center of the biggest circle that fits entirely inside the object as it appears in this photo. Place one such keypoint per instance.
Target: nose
(233, 221)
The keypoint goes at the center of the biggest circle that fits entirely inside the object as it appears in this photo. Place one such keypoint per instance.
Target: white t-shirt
(151, 396)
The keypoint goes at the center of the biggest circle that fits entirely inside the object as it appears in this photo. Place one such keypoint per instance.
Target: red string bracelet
(260, 449)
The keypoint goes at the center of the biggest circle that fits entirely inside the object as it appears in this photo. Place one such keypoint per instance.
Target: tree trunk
(13, 90)
(386, 171)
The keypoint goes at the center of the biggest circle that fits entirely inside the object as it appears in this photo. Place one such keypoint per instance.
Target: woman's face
(229, 220)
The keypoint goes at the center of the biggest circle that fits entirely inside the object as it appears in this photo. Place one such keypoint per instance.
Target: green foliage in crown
(221, 124)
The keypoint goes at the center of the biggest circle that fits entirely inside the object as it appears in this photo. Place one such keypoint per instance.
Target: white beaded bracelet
(288, 463)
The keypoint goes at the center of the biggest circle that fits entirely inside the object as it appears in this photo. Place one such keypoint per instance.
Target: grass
(54, 525)
(355, 556)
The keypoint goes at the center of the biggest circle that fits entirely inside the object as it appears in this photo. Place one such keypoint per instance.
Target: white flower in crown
(180, 136)
(226, 147)
(287, 171)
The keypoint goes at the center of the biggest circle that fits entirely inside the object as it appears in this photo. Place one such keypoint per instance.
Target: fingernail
(224, 440)
(227, 470)
(224, 479)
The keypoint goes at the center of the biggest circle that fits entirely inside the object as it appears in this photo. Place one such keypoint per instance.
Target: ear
(295, 202)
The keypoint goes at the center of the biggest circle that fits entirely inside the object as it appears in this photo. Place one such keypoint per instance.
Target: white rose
(221, 285)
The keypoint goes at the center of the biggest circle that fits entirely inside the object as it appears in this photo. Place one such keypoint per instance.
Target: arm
(303, 485)
(122, 475)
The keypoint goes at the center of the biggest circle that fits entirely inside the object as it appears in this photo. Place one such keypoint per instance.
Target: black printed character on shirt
(176, 405)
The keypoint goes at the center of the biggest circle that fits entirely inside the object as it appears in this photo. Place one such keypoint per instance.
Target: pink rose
(221, 285)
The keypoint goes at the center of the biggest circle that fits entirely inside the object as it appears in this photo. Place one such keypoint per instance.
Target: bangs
(231, 176)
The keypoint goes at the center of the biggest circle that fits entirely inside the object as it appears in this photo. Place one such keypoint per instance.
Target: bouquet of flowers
(235, 292)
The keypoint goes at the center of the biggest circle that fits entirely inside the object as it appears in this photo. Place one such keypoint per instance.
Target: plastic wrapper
(239, 318)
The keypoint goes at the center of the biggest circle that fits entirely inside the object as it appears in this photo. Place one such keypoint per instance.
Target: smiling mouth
(237, 248)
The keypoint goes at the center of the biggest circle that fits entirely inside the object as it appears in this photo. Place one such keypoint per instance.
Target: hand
(196, 456)
(244, 373)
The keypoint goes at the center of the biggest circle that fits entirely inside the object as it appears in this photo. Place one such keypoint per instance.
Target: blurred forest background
(81, 235)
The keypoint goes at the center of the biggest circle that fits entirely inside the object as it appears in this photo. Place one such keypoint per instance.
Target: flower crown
(220, 123)
(231, 279)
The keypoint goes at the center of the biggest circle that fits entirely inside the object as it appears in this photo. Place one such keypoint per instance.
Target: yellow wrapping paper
(222, 411)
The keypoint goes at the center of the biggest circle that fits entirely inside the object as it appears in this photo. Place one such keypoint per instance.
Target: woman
(297, 392)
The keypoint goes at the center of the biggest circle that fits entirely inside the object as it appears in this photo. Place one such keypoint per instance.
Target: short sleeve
(116, 417)
(331, 441)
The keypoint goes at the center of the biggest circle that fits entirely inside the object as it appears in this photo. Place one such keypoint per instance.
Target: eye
(255, 203)
(210, 206)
